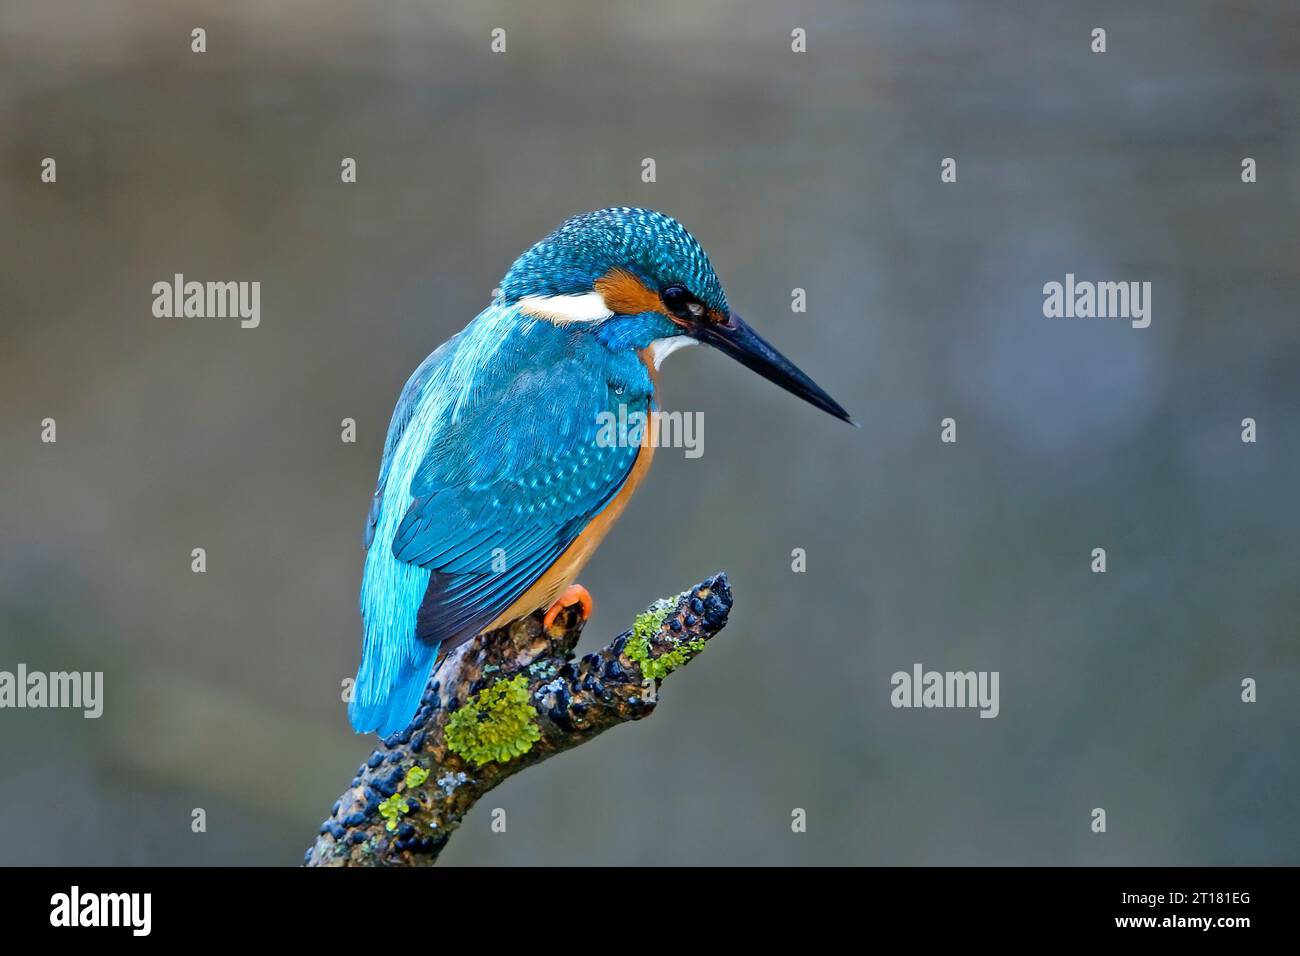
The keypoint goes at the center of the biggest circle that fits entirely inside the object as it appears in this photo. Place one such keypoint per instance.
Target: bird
(495, 486)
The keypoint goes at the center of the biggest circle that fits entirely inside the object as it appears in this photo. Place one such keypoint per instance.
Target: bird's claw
(573, 594)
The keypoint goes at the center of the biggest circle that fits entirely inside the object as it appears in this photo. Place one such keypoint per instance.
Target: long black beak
(737, 339)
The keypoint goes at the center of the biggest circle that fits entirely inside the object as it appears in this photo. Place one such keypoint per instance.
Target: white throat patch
(589, 307)
(660, 349)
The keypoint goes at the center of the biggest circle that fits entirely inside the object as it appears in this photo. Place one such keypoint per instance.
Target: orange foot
(573, 594)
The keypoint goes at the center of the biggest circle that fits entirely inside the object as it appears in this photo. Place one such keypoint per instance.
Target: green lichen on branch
(644, 628)
(498, 723)
(571, 702)
(392, 809)
(395, 806)
(416, 776)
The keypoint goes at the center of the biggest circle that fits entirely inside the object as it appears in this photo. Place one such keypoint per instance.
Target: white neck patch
(588, 307)
(660, 349)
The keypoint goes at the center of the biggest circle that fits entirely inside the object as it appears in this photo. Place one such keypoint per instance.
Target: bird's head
(639, 280)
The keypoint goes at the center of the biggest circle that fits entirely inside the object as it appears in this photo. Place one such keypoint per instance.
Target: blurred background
(816, 170)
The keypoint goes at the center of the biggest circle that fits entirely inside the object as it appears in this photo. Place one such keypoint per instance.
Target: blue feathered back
(491, 469)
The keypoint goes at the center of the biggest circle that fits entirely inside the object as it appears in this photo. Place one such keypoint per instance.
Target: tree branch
(500, 703)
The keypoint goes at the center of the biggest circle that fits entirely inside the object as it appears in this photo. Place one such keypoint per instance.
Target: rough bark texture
(501, 703)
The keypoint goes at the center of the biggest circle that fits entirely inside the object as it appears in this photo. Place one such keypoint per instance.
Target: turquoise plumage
(499, 472)
(493, 465)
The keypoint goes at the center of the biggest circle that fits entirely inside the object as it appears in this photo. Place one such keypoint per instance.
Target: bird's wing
(405, 408)
(503, 490)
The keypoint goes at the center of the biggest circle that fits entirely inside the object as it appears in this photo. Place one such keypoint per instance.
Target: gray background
(819, 171)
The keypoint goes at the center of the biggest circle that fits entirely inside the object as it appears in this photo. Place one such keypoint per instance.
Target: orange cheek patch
(625, 294)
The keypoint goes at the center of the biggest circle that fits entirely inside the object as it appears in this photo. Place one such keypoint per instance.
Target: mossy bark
(531, 700)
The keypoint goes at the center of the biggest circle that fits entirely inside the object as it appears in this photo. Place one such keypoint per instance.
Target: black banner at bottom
(218, 905)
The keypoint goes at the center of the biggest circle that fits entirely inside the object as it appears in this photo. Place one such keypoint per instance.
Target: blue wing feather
(402, 412)
(491, 529)
(492, 456)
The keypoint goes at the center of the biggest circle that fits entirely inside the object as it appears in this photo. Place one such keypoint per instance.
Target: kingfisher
(498, 478)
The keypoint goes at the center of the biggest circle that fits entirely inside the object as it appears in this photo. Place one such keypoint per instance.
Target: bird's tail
(387, 703)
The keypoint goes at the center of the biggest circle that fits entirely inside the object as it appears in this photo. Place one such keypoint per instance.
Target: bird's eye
(682, 304)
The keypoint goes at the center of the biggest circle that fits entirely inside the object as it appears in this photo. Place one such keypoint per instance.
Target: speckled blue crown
(656, 248)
